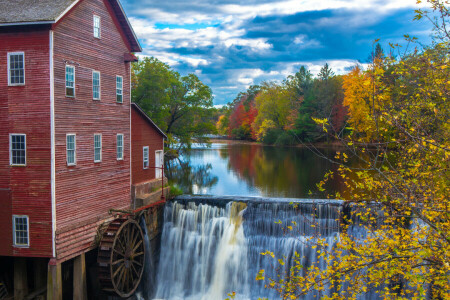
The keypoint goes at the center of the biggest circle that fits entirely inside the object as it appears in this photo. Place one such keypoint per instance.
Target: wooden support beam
(79, 278)
(54, 281)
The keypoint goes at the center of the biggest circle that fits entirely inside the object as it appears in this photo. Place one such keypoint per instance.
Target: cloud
(231, 45)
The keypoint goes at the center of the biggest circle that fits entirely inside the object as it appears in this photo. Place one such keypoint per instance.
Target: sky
(232, 44)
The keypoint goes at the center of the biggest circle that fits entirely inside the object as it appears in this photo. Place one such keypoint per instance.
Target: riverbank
(330, 144)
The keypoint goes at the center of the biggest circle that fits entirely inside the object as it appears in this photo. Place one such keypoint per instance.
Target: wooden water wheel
(121, 257)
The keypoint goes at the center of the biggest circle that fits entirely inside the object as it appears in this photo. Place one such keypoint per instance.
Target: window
(119, 146)
(71, 148)
(97, 147)
(145, 155)
(20, 227)
(70, 81)
(96, 85)
(17, 149)
(119, 89)
(16, 68)
(97, 26)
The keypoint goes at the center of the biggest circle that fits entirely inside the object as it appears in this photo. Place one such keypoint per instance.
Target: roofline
(27, 23)
(129, 25)
(66, 10)
(140, 110)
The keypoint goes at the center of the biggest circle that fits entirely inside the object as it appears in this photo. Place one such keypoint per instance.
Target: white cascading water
(209, 250)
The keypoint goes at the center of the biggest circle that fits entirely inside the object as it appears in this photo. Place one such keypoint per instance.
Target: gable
(25, 12)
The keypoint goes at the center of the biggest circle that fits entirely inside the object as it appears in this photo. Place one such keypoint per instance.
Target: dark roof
(147, 118)
(31, 12)
(27, 11)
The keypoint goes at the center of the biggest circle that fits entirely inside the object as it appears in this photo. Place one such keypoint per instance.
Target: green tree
(180, 105)
(274, 103)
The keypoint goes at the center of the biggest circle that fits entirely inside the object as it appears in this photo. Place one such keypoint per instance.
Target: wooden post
(54, 280)
(20, 278)
(79, 278)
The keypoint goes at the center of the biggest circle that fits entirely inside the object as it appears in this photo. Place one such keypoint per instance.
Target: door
(159, 162)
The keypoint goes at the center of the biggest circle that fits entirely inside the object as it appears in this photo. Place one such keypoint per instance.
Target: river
(250, 169)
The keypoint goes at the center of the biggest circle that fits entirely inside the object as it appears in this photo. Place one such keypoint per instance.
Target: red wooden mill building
(65, 145)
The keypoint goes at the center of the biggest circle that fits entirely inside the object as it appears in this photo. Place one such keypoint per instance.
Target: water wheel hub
(121, 257)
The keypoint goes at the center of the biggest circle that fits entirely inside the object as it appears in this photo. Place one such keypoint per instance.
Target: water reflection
(252, 170)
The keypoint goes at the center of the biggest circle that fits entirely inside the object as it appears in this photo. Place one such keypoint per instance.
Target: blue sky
(232, 44)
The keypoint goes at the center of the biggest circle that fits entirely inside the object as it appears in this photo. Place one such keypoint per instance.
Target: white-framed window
(96, 85)
(119, 146)
(145, 156)
(16, 68)
(70, 81)
(17, 149)
(159, 163)
(21, 237)
(97, 147)
(96, 26)
(71, 145)
(119, 89)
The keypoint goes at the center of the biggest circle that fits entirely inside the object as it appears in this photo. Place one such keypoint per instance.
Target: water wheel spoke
(139, 254)
(137, 246)
(121, 245)
(137, 263)
(134, 269)
(122, 279)
(118, 252)
(134, 238)
(118, 261)
(128, 234)
(121, 267)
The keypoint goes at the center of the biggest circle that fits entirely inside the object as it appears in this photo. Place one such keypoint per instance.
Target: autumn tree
(274, 104)
(399, 193)
(180, 105)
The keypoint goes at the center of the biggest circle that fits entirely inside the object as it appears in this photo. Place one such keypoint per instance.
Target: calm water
(230, 168)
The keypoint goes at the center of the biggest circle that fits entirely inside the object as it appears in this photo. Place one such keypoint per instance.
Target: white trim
(99, 26)
(52, 141)
(143, 157)
(129, 132)
(10, 149)
(9, 73)
(65, 81)
(14, 231)
(99, 85)
(74, 148)
(66, 10)
(117, 152)
(98, 134)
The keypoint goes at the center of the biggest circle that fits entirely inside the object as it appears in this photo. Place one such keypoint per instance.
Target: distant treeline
(284, 113)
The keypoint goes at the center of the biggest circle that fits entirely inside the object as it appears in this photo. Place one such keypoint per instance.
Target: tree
(400, 191)
(275, 102)
(180, 106)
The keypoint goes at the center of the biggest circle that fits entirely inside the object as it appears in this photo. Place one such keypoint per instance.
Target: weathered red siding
(143, 134)
(26, 109)
(85, 192)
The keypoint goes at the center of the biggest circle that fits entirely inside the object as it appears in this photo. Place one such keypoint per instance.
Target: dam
(211, 246)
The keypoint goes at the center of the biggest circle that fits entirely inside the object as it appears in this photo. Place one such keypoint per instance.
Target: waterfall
(147, 285)
(211, 248)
